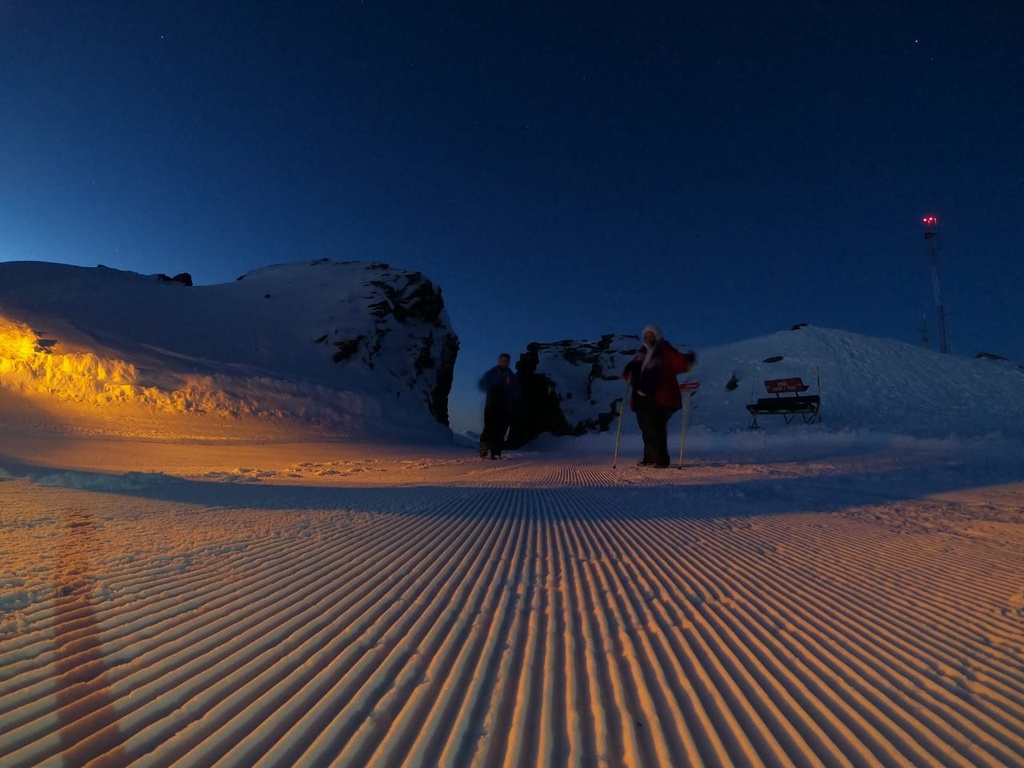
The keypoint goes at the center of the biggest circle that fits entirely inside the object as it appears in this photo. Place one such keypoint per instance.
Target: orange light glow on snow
(29, 366)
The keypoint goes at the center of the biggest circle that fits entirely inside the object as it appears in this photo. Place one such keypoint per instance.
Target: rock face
(408, 333)
(571, 387)
(355, 347)
(182, 277)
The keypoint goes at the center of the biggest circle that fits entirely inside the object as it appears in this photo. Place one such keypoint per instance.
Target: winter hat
(653, 329)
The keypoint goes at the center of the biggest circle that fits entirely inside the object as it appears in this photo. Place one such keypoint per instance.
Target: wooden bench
(789, 406)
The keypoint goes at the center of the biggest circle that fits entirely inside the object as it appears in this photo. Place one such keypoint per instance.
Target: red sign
(690, 386)
(775, 386)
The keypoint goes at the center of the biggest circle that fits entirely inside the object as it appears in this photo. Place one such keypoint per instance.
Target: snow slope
(352, 348)
(178, 594)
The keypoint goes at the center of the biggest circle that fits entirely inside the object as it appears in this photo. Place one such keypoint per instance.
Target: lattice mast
(931, 231)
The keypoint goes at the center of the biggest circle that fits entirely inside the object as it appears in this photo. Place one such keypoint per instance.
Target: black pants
(496, 422)
(653, 421)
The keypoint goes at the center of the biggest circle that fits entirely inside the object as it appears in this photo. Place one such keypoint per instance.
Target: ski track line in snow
(538, 613)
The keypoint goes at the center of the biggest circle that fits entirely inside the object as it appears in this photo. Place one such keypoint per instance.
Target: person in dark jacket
(502, 388)
(655, 392)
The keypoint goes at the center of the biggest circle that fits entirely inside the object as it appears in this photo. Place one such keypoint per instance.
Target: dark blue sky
(562, 170)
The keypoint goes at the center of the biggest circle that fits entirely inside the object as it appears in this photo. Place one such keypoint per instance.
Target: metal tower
(931, 231)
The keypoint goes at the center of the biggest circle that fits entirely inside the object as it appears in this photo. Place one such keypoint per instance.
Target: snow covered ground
(185, 589)
(816, 599)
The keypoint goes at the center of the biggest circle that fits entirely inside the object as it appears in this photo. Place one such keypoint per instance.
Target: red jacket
(658, 378)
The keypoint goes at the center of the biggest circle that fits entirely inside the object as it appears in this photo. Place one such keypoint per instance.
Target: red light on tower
(931, 230)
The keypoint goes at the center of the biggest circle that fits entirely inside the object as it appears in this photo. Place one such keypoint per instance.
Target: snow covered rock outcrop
(357, 348)
(571, 387)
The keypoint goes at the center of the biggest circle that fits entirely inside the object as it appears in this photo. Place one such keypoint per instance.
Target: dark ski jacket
(501, 386)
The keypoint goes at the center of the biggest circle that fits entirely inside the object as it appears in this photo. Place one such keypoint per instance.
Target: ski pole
(682, 431)
(688, 388)
(817, 375)
(618, 431)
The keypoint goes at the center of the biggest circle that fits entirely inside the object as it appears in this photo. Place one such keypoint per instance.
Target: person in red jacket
(655, 392)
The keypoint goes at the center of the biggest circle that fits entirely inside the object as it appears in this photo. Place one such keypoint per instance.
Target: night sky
(562, 170)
